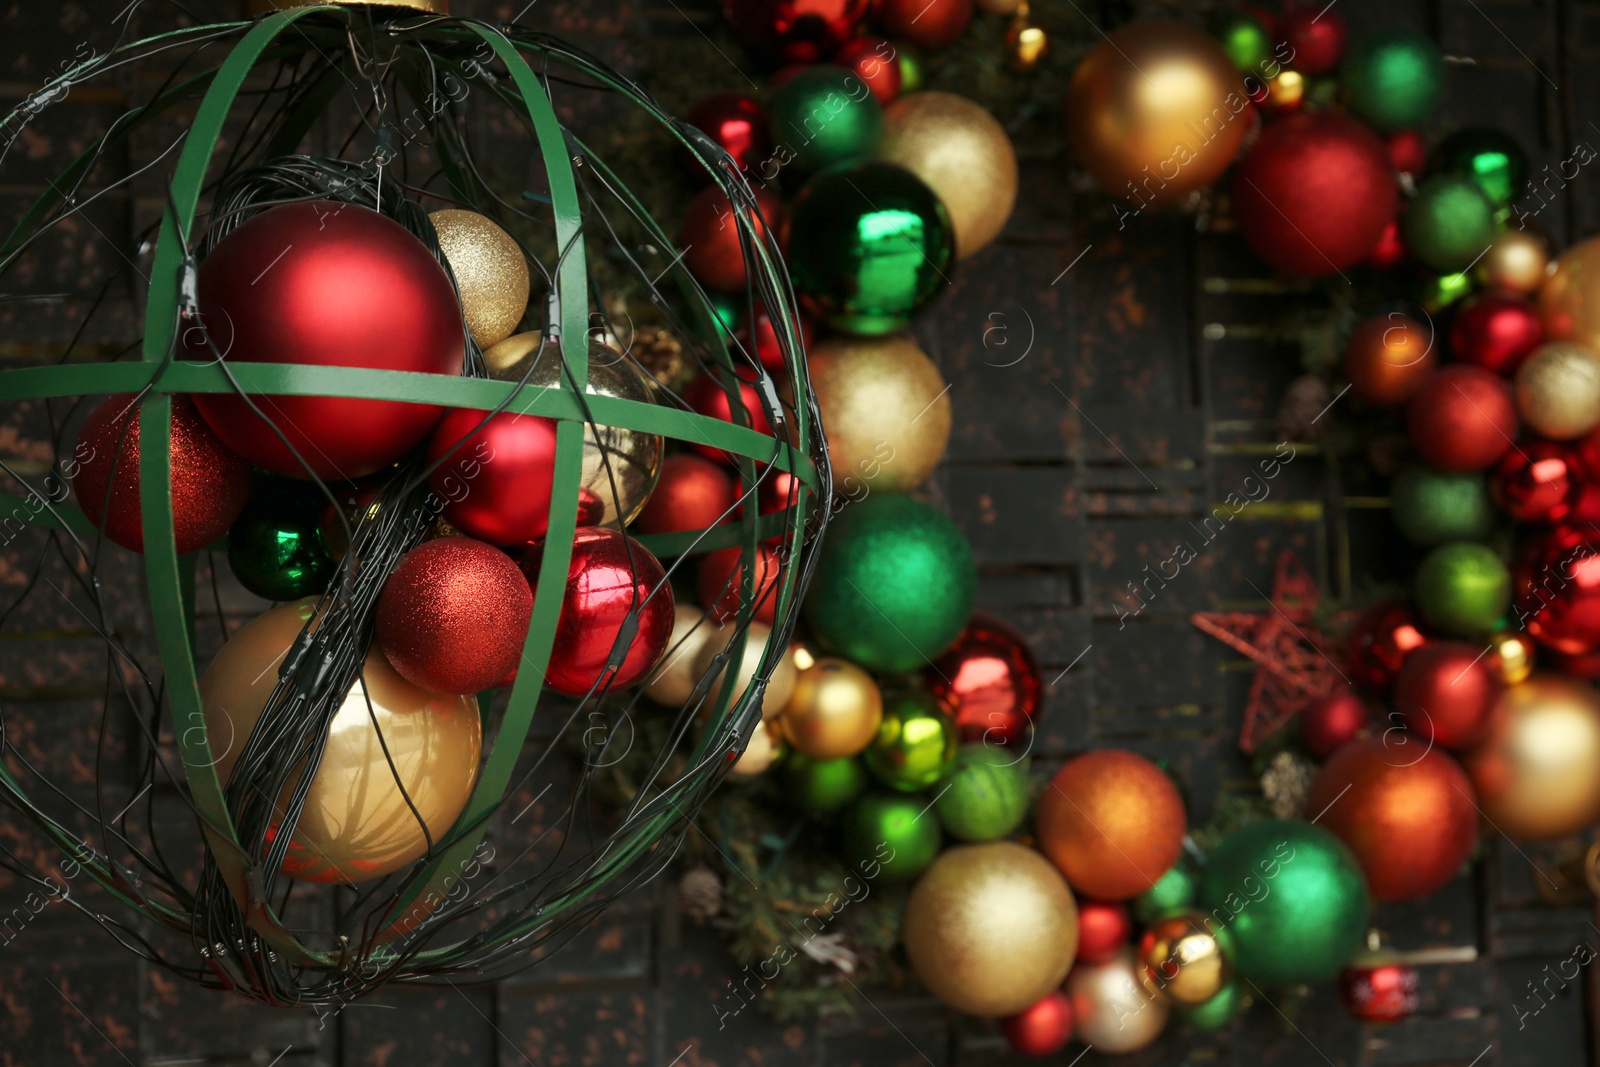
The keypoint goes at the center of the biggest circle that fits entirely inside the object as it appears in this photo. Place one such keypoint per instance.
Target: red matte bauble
(1462, 418)
(737, 123)
(453, 616)
(609, 577)
(710, 237)
(763, 338)
(1379, 992)
(930, 24)
(693, 493)
(1317, 35)
(1408, 151)
(720, 583)
(1103, 928)
(1537, 482)
(210, 484)
(323, 284)
(799, 31)
(1496, 331)
(990, 681)
(1445, 691)
(1556, 589)
(1379, 643)
(1408, 812)
(1390, 251)
(706, 395)
(1041, 1029)
(873, 60)
(1312, 197)
(1331, 722)
(1586, 666)
(496, 484)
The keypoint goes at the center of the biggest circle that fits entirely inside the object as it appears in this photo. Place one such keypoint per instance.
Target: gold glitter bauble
(1569, 299)
(760, 754)
(1558, 390)
(1112, 1011)
(963, 155)
(672, 680)
(490, 271)
(1186, 957)
(835, 710)
(1537, 771)
(1516, 260)
(780, 686)
(885, 410)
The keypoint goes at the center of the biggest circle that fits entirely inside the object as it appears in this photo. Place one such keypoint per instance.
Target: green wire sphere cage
(192, 842)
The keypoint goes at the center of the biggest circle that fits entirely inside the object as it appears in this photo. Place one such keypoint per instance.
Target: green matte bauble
(986, 794)
(869, 243)
(1215, 1013)
(822, 787)
(1463, 588)
(823, 115)
(1449, 224)
(1294, 897)
(1176, 889)
(895, 832)
(1493, 160)
(1393, 78)
(1432, 506)
(894, 584)
(916, 743)
(1246, 41)
(913, 68)
(275, 548)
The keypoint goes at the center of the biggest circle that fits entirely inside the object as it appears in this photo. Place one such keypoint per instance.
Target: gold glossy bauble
(490, 271)
(964, 156)
(1112, 1011)
(779, 687)
(253, 8)
(990, 928)
(1511, 656)
(760, 754)
(1000, 7)
(1537, 772)
(356, 823)
(1558, 390)
(1026, 42)
(1156, 111)
(1186, 957)
(672, 680)
(1516, 260)
(1569, 299)
(620, 466)
(885, 409)
(834, 712)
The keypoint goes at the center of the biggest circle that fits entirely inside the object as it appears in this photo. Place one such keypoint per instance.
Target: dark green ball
(822, 116)
(275, 547)
(1463, 588)
(1393, 78)
(1432, 506)
(985, 796)
(822, 787)
(1491, 159)
(1449, 223)
(1174, 890)
(1246, 41)
(897, 833)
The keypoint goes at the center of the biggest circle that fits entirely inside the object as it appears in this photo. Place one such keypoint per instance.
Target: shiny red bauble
(616, 613)
(453, 616)
(1556, 589)
(990, 682)
(210, 484)
(1537, 482)
(1312, 197)
(1390, 251)
(719, 585)
(323, 284)
(1379, 989)
(710, 237)
(1317, 35)
(1408, 151)
(930, 24)
(707, 396)
(1041, 1029)
(1462, 418)
(1103, 928)
(1497, 331)
(778, 491)
(1445, 691)
(737, 123)
(799, 31)
(494, 477)
(693, 493)
(873, 60)
(1331, 722)
(1379, 643)
(760, 338)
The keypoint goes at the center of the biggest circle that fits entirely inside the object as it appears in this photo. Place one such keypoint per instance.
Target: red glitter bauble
(990, 681)
(610, 577)
(1103, 928)
(720, 583)
(1313, 195)
(453, 616)
(1041, 1029)
(799, 31)
(710, 237)
(930, 24)
(324, 284)
(1379, 643)
(1407, 811)
(1390, 251)
(1462, 418)
(873, 60)
(1444, 693)
(1317, 35)
(707, 396)
(692, 494)
(1378, 989)
(1537, 482)
(1330, 723)
(1556, 585)
(496, 484)
(1496, 331)
(737, 123)
(1408, 151)
(763, 338)
(210, 484)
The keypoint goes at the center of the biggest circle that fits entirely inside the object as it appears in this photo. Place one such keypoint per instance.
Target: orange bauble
(1112, 822)
(1388, 357)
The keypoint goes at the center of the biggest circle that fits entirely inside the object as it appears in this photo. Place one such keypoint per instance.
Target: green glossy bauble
(1439, 291)
(916, 743)
(897, 833)
(727, 309)
(913, 68)
(274, 547)
(822, 116)
(1393, 78)
(1176, 889)
(1449, 223)
(1432, 506)
(822, 787)
(869, 243)
(894, 584)
(1294, 897)
(1492, 160)
(1215, 1013)
(986, 794)
(1463, 588)
(1246, 41)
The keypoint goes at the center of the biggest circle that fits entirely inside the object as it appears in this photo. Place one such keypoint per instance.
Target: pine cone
(1306, 398)
(1286, 784)
(700, 894)
(659, 352)
(1386, 451)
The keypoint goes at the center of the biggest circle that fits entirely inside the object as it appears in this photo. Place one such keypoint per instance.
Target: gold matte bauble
(1186, 957)
(357, 823)
(1516, 260)
(885, 410)
(760, 754)
(1569, 299)
(1112, 1011)
(672, 680)
(1537, 772)
(834, 712)
(964, 156)
(990, 928)
(1558, 390)
(490, 271)
(780, 686)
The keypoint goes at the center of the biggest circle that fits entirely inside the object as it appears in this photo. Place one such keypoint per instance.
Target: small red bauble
(720, 583)
(692, 494)
(930, 24)
(1317, 36)
(324, 284)
(799, 31)
(1556, 585)
(453, 616)
(1444, 693)
(210, 484)
(1333, 721)
(1379, 643)
(1378, 988)
(609, 577)
(990, 681)
(1496, 331)
(1041, 1029)
(763, 339)
(1462, 418)
(873, 60)
(1537, 482)
(737, 123)
(778, 491)
(496, 484)
(706, 396)
(1103, 928)
(1390, 251)
(1312, 197)
(1408, 151)
(710, 237)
